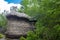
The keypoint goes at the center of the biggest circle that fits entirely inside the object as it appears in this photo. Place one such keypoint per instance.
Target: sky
(14, 1)
(6, 4)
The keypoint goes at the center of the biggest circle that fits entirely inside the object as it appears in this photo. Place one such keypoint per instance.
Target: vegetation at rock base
(47, 14)
(2, 36)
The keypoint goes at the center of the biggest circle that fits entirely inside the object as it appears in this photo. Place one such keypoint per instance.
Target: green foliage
(31, 7)
(1, 36)
(3, 20)
(47, 14)
(22, 38)
(31, 36)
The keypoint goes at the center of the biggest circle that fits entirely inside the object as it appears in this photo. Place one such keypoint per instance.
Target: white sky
(5, 6)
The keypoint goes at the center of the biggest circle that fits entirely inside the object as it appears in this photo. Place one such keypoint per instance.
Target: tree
(31, 7)
(48, 22)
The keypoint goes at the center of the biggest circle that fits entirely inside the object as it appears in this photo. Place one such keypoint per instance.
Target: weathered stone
(18, 24)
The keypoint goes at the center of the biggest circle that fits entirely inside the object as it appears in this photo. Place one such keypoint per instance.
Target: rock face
(2, 30)
(18, 26)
